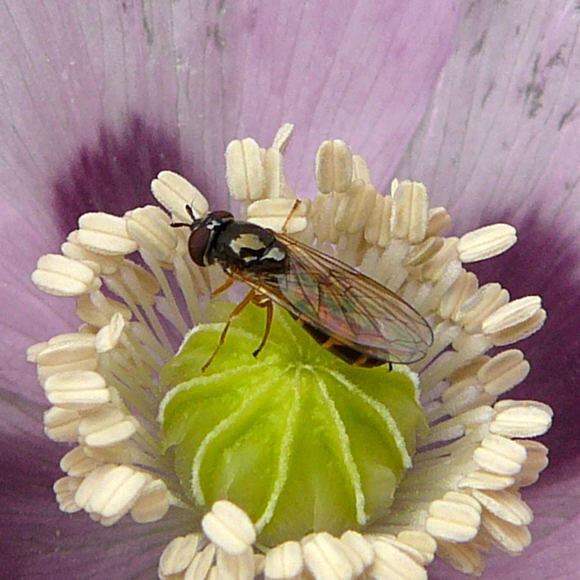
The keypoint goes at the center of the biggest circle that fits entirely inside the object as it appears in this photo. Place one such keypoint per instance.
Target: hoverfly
(350, 314)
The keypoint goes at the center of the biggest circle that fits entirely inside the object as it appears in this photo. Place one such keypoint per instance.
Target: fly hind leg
(290, 215)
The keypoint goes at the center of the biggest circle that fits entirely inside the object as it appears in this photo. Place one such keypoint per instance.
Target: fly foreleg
(235, 312)
(264, 302)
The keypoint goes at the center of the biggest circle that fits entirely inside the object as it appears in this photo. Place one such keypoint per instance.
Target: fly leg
(264, 302)
(223, 287)
(290, 215)
(235, 312)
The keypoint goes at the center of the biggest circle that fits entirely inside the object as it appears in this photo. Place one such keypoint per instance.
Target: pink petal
(502, 126)
(554, 557)
(501, 143)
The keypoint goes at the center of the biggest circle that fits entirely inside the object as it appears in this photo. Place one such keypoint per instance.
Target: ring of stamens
(470, 466)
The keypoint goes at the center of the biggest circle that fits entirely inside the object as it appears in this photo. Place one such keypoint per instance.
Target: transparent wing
(342, 302)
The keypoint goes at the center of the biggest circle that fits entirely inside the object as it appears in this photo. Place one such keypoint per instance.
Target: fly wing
(342, 302)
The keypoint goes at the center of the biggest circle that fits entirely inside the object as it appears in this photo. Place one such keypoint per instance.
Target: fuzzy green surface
(299, 439)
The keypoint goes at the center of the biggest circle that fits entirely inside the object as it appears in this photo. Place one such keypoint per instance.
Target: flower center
(296, 439)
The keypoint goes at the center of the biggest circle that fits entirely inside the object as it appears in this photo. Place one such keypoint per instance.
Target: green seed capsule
(297, 438)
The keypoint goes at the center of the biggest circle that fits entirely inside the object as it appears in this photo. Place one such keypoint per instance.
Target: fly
(350, 314)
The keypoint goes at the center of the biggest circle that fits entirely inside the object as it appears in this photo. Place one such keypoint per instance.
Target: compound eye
(198, 242)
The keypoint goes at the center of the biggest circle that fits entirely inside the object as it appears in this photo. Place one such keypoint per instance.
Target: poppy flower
(92, 115)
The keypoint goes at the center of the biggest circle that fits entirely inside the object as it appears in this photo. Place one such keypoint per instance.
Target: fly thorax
(248, 246)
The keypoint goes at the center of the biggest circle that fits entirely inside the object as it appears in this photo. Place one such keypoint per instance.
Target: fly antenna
(189, 210)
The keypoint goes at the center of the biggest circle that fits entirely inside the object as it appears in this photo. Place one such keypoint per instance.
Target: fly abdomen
(346, 352)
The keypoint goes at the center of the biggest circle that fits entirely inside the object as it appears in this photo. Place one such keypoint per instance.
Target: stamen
(325, 557)
(174, 192)
(500, 455)
(284, 561)
(438, 221)
(436, 266)
(132, 288)
(202, 564)
(352, 210)
(77, 464)
(506, 536)
(105, 234)
(486, 481)
(360, 169)
(244, 170)
(97, 310)
(273, 213)
(511, 314)
(409, 213)
(99, 263)
(503, 372)
(462, 289)
(333, 166)
(432, 295)
(110, 491)
(402, 547)
(149, 227)
(389, 270)
(359, 551)
(61, 424)
(506, 505)
(486, 300)
(153, 503)
(521, 419)
(390, 562)
(106, 427)
(323, 214)
(179, 554)
(378, 228)
(65, 490)
(456, 517)
(235, 566)
(423, 252)
(168, 305)
(229, 527)
(77, 390)
(129, 452)
(469, 424)
(62, 276)
(486, 242)
(282, 137)
(463, 557)
(423, 543)
(536, 462)
(275, 185)
(108, 337)
(65, 352)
